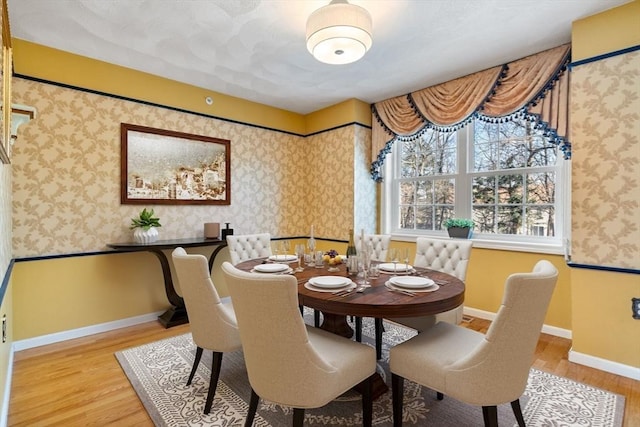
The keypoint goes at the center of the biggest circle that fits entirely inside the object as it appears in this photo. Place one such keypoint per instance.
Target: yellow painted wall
(601, 300)
(601, 311)
(352, 110)
(615, 29)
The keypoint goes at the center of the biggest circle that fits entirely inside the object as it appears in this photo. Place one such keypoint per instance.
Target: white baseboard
(605, 365)
(574, 356)
(83, 332)
(547, 329)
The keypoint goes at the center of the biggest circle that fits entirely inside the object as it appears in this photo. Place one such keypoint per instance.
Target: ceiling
(255, 49)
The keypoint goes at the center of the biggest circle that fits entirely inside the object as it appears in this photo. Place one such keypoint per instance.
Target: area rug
(158, 372)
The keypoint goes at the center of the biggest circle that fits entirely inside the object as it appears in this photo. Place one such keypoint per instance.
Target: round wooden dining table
(375, 301)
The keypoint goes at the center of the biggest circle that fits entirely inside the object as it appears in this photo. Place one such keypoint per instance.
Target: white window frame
(557, 245)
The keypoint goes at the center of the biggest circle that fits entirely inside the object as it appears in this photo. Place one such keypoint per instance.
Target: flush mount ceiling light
(339, 33)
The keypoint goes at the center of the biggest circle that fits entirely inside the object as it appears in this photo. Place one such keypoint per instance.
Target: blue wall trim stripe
(603, 268)
(181, 110)
(5, 281)
(604, 56)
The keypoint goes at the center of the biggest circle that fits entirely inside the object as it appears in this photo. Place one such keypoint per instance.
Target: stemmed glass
(311, 244)
(300, 255)
(393, 254)
(405, 256)
(286, 245)
(366, 263)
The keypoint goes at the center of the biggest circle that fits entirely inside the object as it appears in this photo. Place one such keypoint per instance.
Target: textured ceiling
(255, 49)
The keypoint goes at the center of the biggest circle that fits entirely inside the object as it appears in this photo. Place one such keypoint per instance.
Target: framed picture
(173, 168)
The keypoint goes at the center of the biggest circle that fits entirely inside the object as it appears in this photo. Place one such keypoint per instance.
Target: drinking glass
(393, 255)
(405, 257)
(365, 265)
(319, 259)
(300, 254)
(286, 245)
(311, 244)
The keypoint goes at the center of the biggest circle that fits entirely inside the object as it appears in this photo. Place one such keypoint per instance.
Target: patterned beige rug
(159, 372)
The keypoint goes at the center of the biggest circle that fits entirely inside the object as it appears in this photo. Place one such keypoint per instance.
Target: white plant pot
(140, 235)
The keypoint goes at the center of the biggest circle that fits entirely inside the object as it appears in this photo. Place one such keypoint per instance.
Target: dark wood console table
(177, 313)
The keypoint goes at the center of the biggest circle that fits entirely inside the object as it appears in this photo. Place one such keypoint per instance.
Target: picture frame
(173, 168)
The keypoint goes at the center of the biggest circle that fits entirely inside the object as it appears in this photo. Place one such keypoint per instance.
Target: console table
(177, 313)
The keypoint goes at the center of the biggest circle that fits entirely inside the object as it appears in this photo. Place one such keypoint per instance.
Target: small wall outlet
(635, 308)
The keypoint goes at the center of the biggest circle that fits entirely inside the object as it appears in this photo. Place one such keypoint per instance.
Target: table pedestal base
(174, 316)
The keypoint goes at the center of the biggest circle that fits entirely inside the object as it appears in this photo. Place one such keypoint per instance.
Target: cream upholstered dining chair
(289, 362)
(379, 245)
(449, 256)
(248, 246)
(478, 369)
(212, 320)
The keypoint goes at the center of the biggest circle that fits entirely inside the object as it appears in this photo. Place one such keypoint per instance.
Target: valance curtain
(535, 87)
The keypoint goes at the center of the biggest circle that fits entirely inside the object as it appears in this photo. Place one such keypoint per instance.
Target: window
(504, 175)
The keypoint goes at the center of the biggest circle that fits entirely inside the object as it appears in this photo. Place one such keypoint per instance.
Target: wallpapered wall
(605, 110)
(5, 218)
(66, 175)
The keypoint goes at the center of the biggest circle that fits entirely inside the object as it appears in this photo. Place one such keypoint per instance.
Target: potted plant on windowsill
(144, 227)
(460, 228)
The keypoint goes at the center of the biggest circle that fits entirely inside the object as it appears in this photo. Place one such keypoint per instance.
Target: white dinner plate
(349, 285)
(329, 282)
(411, 282)
(271, 268)
(283, 258)
(399, 288)
(400, 267)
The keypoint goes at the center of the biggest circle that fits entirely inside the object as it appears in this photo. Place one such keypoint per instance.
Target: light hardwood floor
(80, 383)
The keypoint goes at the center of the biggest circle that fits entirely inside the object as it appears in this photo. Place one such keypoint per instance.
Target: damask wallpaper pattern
(66, 175)
(5, 218)
(605, 133)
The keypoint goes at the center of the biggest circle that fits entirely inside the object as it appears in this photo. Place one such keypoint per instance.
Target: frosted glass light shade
(339, 33)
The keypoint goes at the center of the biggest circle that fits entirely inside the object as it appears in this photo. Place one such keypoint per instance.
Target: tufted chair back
(448, 256)
(379, 242)
(249, 246)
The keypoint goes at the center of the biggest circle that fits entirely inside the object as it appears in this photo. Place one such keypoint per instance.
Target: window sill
(502, 245)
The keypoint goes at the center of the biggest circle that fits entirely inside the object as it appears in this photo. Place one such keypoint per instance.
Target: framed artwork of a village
(172, 168)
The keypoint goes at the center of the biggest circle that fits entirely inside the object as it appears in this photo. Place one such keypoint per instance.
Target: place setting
(410, 285)
(337, 285)
(272, 268)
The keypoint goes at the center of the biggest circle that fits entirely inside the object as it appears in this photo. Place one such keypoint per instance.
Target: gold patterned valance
(536, 86)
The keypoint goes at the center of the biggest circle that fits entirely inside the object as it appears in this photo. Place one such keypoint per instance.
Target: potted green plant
(144, 227)
(460, 228)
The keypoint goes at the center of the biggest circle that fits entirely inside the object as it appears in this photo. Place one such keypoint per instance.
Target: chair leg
(196, 362)
(490, 415)
(358, 328)
(253, 406)
(316, 318)
(379, 329)
(367, 402)
(298, 417)
(397, 395)
(216, 364)
(517, 411)
(439, 395)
